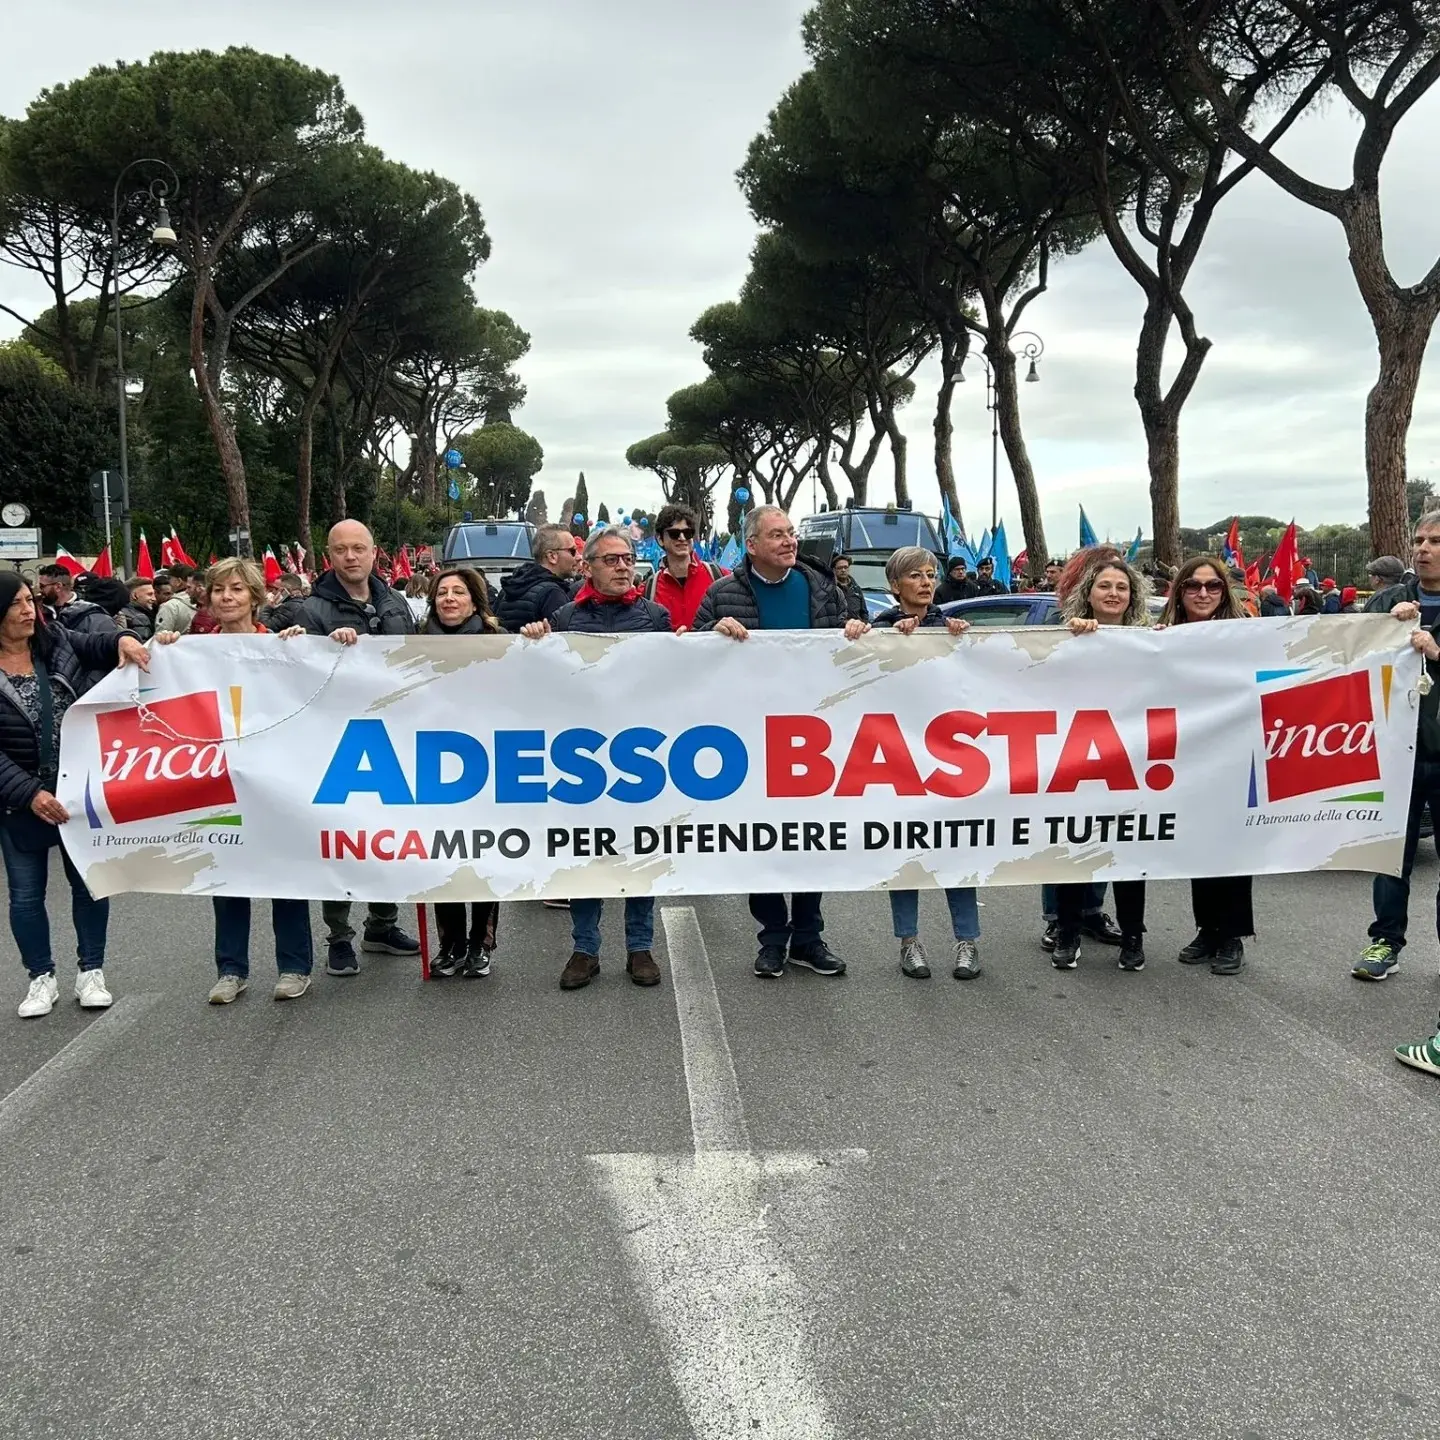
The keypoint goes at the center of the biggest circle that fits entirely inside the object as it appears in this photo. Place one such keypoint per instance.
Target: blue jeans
(26, 875)
(1093, 903)
(1392, 896)
(964, 912)
(294, 945)
(639, 923)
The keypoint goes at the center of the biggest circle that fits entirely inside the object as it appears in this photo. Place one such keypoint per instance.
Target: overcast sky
(601, 140)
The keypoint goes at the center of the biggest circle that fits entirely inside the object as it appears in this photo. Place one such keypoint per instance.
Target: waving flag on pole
(67, 562)
(144, 566)
(1000, 554)
(1230, 551)
(1087, 531)
(1133, 553)
(178, 550)
(102, 568)
(1285, 566)
(732, 554)
(272, 567)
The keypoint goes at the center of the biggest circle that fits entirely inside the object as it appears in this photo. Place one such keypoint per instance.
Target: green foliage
(503, 460)
(53, 436)
(413, 524)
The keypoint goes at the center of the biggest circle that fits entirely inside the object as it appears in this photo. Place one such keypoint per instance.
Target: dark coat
(283, 614)
(82, 617)
(989, 587)
(137, 622)
(854, 598)
(1272, 606)
(531, 593)
(1382, 602)
(932, 618)
(475, 625)
(734, 597)
(948, 590)
(75, 657)
(593, 616)
(329, 608)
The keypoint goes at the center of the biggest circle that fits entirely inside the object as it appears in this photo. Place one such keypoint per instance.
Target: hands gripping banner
(499, 768)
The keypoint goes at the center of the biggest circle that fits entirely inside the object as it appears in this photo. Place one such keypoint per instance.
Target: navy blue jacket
(531, 593)
(893, 616)
(76, 654)
(600, 617)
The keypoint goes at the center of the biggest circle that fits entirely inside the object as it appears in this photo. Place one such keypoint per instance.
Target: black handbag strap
(47, 715)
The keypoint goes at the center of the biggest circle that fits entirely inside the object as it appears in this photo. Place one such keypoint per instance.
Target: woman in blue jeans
(912, 575)
(234, 592)
(43, 670)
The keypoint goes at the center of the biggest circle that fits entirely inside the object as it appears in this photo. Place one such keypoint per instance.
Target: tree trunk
(232, 463)
(1160, 416)
(305, 464)
(1388, 411)
(899, 450)
(1007, 401)
(951, 356)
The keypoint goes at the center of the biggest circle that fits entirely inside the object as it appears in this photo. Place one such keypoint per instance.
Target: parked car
(494, 547)
(1008, 612)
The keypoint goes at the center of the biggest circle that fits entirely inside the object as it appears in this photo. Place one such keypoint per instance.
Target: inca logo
(1318, 736)
(164, 758)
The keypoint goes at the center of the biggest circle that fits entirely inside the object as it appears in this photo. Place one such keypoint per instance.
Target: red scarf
(589, 592)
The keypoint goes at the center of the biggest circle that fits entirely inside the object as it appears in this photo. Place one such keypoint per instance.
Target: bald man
(349, 602)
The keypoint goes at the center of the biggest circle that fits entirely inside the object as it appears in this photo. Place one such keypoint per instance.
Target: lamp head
(163, 235)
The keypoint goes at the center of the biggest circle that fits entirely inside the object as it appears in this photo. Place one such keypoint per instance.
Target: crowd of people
(55, 644)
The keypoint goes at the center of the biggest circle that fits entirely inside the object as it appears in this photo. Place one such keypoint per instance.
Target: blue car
(1005, 612)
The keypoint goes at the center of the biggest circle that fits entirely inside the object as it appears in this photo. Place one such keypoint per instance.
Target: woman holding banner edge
(460, 605)
(1223, 904)
(234, 593)
(1109, 591)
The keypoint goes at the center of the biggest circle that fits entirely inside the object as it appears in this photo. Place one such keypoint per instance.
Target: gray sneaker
(914, 961)
(291, 986)
(227, 990)
(967, 959)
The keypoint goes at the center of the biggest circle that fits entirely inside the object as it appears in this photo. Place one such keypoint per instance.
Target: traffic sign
(20, 543)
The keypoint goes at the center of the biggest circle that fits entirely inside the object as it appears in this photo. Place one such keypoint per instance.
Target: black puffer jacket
(734, 596)
(281, 616)
(933, 617)
(473, 626)
(593, 616)
(1382, 602)
(854, 598)
(531, 593)
(138, 622)
(329, 608)
(82, 617)
(74, 657)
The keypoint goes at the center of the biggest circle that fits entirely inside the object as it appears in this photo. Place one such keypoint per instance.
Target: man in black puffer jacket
(610, 603)
(773, 589)
(289, 606)
(535, 591)
(349, 596)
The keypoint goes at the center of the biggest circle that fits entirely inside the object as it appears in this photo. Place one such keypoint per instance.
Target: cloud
(602, 141)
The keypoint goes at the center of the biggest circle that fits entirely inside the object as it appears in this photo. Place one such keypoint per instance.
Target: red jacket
(682, 601)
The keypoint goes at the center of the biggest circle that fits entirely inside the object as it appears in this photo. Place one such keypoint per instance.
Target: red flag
(144, 568)
(179, 550)
(287, 560)
(67, 562)
(167, 553)
(212, 557)
(1252, 577)
(102, 569)
(1232, 544)
(272, 567)
(402, 570)
(324, 562)
(1285, 565)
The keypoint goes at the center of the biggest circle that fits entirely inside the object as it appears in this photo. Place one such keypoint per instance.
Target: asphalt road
(1042, 1204)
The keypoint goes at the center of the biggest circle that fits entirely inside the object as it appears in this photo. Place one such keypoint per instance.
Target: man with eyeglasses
(681, 581)
(774, 589)
(537, 590)
(609, 603)
(349, 601)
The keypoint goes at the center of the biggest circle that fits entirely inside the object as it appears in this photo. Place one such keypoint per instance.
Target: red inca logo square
(164, 758)
(1319, 736)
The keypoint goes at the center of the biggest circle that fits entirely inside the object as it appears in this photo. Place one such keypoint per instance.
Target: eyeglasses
(678, 534)
(616, 562)
(1204, 587)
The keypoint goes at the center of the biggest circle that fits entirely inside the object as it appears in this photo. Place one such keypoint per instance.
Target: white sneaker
(91, 991)
(40, 999)
(227, 990)
(291, 986)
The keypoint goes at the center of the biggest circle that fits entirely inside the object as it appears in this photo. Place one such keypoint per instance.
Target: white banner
(465, 769)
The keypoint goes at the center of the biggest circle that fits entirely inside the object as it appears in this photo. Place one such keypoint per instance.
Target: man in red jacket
(680, 582)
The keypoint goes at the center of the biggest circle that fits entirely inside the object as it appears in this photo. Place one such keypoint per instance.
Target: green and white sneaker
(1425, 1056)
(1376, 961)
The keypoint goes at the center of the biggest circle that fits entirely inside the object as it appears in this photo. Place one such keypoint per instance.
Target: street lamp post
(1032, 348)
(162, 236)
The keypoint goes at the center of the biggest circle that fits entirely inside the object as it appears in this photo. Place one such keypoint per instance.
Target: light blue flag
(1133, 553)
(1087, 533)
(983, 549)
(1000, 554)
(732, 554)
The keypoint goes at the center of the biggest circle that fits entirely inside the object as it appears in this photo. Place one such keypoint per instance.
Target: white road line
(56, 1072)
(716, 1116)
(729, 1311)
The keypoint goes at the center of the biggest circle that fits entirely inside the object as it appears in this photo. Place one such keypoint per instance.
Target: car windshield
(891, 530)
(869, 575)
(488, 542)
(996, 615)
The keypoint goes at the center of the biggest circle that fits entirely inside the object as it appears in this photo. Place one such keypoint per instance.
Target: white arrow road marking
(728, 1308)
(55, 1073)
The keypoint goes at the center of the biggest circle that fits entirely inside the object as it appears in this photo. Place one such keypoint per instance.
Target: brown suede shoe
(579, 971)
(642, 967)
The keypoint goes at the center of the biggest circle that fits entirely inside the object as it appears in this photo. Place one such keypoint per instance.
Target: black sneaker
(817, 957)
(1067, 950)
(341, 959)
(1229, 958)
(390, 941)
(476, 965)
(1132, 953)
(1047, 940)
(770, 962)
(1201, 950)
(447, 961)
(1102, 928)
